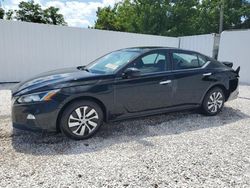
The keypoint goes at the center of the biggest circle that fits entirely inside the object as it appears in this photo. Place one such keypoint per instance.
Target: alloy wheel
(215, 102)
(83, 120)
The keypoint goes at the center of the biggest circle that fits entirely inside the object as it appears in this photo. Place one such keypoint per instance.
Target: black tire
(213, 102)
(81, 119)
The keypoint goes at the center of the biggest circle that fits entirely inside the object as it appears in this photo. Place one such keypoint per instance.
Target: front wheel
(81, 120)
(213, 101)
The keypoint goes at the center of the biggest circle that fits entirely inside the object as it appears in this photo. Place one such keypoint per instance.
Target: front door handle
(165, 82)
(207, 74)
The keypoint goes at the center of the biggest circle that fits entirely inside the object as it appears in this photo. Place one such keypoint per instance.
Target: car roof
(145, 49)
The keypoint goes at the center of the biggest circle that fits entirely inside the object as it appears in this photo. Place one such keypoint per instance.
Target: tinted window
(202, 60)
(155, 62)
(149, 59)
(185, 61)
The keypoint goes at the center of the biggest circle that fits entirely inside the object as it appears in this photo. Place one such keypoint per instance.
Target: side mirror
(131, 72)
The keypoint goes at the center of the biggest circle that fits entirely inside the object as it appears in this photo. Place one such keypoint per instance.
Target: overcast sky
(77, 13)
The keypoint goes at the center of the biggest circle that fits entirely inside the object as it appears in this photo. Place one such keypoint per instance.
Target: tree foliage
(1, 13)
(52, 16)
(32, 12)
(173, 17)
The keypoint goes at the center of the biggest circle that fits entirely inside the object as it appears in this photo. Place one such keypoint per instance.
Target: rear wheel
(213, 101)
(81, 120)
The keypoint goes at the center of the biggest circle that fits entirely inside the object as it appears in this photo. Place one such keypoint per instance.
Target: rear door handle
(207, 74)
(165, 82)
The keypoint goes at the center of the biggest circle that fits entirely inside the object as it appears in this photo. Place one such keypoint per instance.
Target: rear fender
(223, 86)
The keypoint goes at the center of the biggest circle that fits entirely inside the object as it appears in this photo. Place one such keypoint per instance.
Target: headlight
(36, 97)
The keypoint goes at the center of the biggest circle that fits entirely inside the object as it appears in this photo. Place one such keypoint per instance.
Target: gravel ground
(172, 150)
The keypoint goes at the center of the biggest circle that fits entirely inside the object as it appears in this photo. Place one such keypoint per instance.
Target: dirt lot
(172, 150)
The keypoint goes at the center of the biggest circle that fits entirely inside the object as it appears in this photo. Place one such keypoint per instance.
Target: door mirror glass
(132, 72)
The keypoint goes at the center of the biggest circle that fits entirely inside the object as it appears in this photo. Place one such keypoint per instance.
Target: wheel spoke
(90, 130)
(73, 124)
(84, 111)
(79, 113)
(92, 123)
(73, 118)
(214, 96)
(82, 130)
(210, 106)
(217, 95)
(94, 117)
(219, 102)
(77, 130)
(91, 112)
(211, 98)
(214, 108)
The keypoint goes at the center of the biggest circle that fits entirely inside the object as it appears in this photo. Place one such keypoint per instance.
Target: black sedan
(123, 84)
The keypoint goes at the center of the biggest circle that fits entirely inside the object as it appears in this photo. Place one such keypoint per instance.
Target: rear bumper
(234, 94)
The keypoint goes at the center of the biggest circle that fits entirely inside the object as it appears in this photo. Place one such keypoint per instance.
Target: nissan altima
(123, 84)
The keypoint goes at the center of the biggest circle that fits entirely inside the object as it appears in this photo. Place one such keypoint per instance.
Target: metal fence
(235, 47)
(27, 49)
(206, 44)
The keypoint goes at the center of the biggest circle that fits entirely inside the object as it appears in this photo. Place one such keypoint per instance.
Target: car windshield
(111, 62)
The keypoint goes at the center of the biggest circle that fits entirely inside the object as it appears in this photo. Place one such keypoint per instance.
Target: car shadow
(135, 130)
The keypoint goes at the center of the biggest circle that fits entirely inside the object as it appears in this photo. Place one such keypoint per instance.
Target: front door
(149, 91)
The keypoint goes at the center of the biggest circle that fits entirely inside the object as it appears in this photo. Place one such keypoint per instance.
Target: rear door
(188, 77)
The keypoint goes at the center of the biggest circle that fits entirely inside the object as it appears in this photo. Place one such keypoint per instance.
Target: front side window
(202, 60)
(111, 62)
(150, 63)
(185, 61)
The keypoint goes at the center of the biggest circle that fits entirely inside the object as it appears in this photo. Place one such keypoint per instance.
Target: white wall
(235, 47)
(27, 49)
(205, 44)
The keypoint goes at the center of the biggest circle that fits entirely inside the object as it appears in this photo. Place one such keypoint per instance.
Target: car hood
(54, 80)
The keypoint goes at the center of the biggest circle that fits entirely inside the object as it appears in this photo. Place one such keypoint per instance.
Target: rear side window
(185, 61)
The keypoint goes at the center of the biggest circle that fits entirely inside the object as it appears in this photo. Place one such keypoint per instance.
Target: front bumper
(36, 117)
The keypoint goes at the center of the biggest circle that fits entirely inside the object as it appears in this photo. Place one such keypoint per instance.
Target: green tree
(142, 16)
(159, 17)
(9, 15)
(52, 16)
(125, 17)
(32, 12)
(173, 17)
(106, 18)
(152, 16)
(183, 15)
(1, 13)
